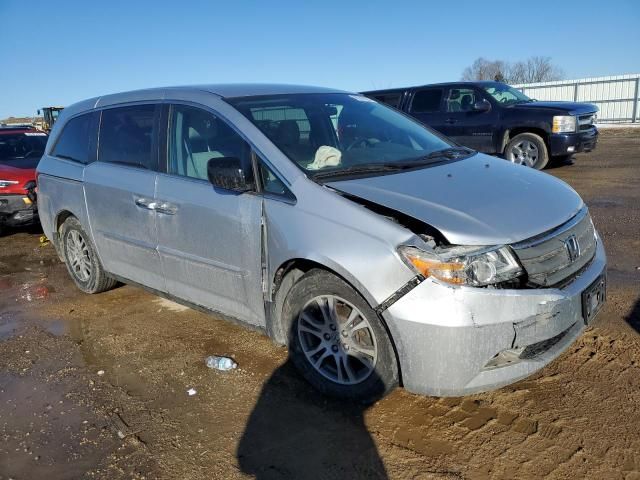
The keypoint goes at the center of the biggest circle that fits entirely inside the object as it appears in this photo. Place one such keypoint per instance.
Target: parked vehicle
(20, 151)
(494, 118)
(49, 116)
(374, 249)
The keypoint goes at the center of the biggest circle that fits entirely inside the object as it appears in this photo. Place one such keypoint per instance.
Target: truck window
(127, 136)
(427, 100)
(73, 143)
(460, 100)
(391, 99)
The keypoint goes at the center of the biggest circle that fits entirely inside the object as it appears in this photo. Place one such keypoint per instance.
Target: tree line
(533, 69)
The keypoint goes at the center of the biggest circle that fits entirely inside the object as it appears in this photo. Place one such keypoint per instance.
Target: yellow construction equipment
(50, 115)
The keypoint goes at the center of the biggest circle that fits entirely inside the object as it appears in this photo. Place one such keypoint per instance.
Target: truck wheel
(81, 259)
(337, 341)
(527, 149)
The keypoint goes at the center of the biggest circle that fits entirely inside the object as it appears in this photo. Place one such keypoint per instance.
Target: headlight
(564, 124)
(6, 183)
(474, 266)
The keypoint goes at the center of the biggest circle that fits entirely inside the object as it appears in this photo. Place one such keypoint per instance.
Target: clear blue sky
(62, 51)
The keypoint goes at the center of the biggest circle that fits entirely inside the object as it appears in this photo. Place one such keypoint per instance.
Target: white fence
(616, 96)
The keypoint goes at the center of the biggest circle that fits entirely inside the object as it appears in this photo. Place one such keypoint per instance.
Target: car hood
(480, 200)
(573, 108)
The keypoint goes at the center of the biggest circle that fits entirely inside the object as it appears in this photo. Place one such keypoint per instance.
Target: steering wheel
(360, 141)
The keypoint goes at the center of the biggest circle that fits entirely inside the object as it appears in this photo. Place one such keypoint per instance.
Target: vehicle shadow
(296, 433)
(633, 319)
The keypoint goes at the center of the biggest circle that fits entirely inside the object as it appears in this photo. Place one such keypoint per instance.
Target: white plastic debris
(220, 363)
(100, 372)
(191, 392)
(326, 156)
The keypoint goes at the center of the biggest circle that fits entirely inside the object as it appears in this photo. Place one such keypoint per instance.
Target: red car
(20, 152)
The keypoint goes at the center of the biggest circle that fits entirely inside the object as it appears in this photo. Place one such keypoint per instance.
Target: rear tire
(527, 149)
(336, 340)
(81, 259)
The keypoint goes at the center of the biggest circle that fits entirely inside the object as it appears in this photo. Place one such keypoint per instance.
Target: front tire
(81, 259)
(337, 341)
(527, 149)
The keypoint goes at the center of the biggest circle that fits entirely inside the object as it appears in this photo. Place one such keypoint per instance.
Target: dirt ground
(96, 386)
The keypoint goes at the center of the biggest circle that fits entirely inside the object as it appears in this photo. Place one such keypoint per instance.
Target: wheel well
(61, 218)
(517, 131)
(285, 277)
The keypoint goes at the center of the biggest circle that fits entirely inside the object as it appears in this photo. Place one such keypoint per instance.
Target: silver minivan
(378, 251)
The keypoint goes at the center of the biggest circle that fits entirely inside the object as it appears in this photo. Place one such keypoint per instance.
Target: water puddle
(47, 446)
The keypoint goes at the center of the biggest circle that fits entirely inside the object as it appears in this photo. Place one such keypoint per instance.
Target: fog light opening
(505, 358)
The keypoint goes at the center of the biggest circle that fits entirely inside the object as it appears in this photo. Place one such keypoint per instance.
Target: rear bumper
(15, 210)
(568, 143)
(458, 341)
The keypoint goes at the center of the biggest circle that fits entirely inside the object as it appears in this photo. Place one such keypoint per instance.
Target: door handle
(166, 208)
(147, 203)
(450, 121)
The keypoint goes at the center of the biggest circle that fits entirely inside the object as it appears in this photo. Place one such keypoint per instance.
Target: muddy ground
(96, 386)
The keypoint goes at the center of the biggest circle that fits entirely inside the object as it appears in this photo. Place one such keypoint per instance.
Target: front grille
(557, 256)
(585, 122)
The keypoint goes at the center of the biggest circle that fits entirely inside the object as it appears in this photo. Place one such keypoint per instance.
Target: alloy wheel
(78, 255)
(337, 339)
(524, 152)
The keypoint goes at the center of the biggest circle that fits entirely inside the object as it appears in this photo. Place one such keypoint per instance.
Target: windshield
(506, 95)
(22, 145)
(338, 132)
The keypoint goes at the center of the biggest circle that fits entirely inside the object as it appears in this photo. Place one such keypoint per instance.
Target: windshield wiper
(357, 169)
(433, 158)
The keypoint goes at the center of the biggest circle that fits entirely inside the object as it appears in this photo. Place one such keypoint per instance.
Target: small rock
(191, 392)
(100, 372)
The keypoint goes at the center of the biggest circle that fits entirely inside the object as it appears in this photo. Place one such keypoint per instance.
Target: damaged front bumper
(454, 341)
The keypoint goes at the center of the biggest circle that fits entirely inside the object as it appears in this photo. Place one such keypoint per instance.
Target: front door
(120, 190)
(465, 125)
(209, 239)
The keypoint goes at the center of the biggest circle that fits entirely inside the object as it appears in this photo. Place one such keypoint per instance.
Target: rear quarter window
(75, 140)
(427, 100)
(391, 99)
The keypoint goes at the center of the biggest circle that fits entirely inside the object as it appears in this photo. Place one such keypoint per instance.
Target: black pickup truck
(495, 118)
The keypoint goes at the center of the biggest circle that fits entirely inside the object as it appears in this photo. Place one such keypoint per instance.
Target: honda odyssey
(377, 250)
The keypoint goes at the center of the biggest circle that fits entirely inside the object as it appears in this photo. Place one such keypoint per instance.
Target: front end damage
(455, 341)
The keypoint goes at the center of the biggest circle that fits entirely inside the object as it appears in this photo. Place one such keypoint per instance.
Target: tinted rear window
(391, 99)
(127, 135)
(75, 139)
(17, 146)
(427, 100)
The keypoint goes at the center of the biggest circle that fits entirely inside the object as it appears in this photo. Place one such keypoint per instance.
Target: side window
(460, 100)
(272, 184)
(427, 100)
(73, 143)
(196, 137)
(127, 136)
(391, 99)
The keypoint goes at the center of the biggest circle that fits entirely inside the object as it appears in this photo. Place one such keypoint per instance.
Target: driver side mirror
(482, 106)
(229, 173)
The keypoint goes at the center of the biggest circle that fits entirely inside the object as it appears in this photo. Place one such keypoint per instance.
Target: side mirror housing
(229, 173)
(482, 106)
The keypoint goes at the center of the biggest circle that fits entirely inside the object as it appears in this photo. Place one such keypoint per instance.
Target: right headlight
(473, 266)
(564, 124)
